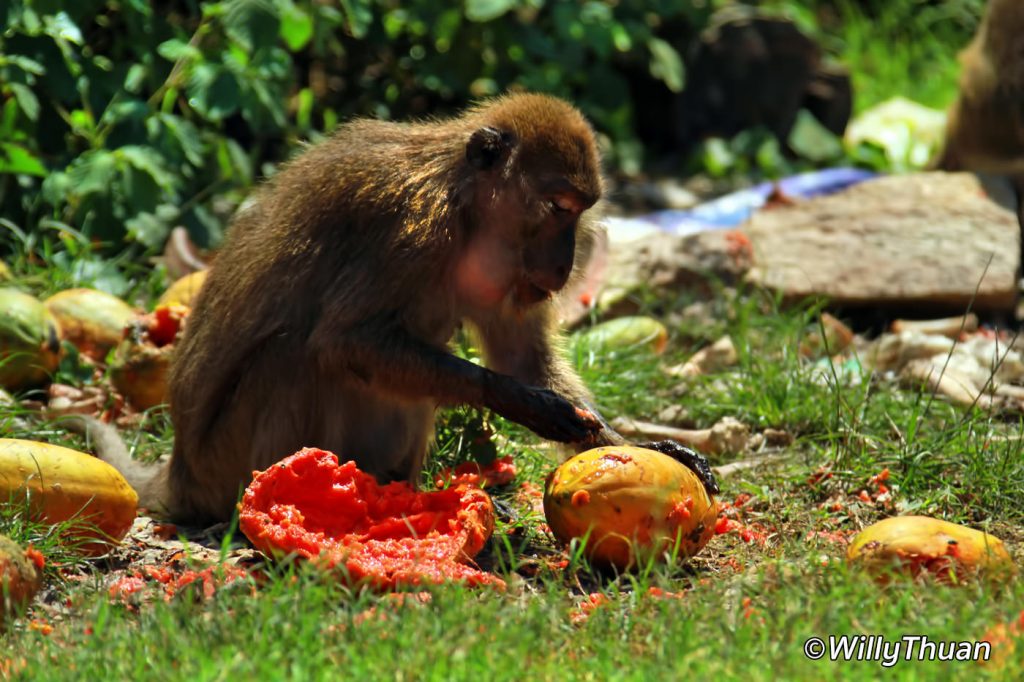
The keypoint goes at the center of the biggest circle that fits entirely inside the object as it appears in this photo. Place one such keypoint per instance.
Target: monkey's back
(319, 251)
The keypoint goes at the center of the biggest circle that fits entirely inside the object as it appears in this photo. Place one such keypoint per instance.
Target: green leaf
(19, 161)
(621, 39)
(203, 226)
(666, 65)
(358, 15)
(296, 27)
(147, 228)
(173, 50)
(149, 161)
(24, 63)
(487, 10)
(61, 27)
(82, 122)
(187, 137)
(27, 100)
(8, 121)
(93, 172)
(213, 92)
(716, 157)
(135, 78)
(253, 23)
(303, 115)
(125, 110)
(813, 141)
(56, 188)
(234, 162)
(261, 101)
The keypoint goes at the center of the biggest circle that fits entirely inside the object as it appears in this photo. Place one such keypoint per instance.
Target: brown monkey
(985, 130)
(327, 317)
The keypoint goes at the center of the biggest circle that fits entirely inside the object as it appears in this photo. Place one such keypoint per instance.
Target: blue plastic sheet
(733, 209)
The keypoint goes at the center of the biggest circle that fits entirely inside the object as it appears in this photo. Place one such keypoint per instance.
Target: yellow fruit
(625, 333)
(29, 341)
(139, 373)
(184, 291)
(141, 363)
(630, 504)
(21, 577)
(920, 544)
(61, 484)
(93, 321)
(5, 272)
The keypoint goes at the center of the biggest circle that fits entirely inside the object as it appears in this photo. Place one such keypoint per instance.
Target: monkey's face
(522, 247)
(529, 197)
(549, 249)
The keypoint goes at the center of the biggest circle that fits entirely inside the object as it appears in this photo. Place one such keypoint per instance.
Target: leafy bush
(123, 118)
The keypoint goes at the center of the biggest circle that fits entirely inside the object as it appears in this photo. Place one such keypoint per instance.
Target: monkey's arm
(524, 347)
(385, 356)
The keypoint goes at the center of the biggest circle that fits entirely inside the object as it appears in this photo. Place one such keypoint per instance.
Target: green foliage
(121, 118)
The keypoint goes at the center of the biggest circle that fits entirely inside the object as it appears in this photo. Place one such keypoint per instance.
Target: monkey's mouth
(527, 293)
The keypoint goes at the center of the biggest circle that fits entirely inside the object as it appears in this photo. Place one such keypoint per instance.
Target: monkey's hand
(693, 460)
(543, 411)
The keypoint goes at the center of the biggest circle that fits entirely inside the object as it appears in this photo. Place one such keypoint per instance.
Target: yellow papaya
(142, 361)
(62, 484)
(916, 545)
(625, 333)
(29, 341)
(184, 291)
(630, 504)
(92, 321)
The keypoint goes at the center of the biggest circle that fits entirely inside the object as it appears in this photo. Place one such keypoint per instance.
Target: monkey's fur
(326, 319)
(985, 129)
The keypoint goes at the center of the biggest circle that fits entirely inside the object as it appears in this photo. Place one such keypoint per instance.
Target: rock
(666, 261)
(931, 241)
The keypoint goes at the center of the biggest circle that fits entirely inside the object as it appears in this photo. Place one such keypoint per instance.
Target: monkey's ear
(488, 147)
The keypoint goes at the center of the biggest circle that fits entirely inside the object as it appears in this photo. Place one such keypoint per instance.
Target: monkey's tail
(148, 480)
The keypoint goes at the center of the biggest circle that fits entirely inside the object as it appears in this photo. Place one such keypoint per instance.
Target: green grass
(298, 624)
(748, 607)
(907, 48)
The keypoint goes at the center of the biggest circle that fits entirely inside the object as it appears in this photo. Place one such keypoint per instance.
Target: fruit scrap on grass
(386, 535)
(920, 545)
(21, 576)
(1004, 638)
(130, 588)
(587, 607)
(500, 471)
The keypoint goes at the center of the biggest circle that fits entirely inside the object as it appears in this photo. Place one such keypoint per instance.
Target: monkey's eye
(563, 204)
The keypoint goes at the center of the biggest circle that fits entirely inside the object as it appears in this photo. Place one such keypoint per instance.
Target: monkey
(985, 124)
(327, 317)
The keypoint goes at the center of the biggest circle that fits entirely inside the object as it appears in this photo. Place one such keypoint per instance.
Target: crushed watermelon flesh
(388, 536)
